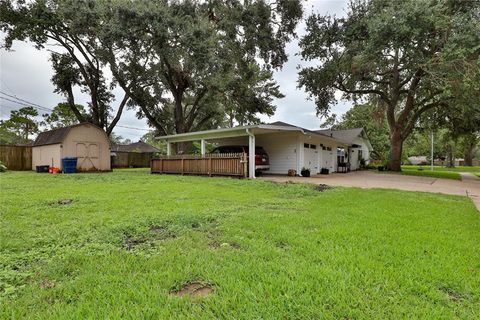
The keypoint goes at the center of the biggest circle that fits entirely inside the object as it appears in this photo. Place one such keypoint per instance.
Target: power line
(133, 128)
(31, 104)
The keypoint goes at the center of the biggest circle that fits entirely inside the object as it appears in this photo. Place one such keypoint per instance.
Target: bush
(3, 168)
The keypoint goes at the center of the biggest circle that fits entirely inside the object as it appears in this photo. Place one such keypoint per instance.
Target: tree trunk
(468, 153)
(450, 158)
(396, 146)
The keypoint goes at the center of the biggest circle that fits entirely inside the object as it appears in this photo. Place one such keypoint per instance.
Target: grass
(442, 168)
(128, 240)
(413, 171)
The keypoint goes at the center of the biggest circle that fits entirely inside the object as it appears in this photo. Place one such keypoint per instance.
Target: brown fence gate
(222, 164)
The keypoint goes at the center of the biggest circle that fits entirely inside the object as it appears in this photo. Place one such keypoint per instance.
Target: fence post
(183, 165)
(210, 166)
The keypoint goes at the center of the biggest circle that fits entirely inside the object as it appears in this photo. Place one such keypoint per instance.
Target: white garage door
(310, 160)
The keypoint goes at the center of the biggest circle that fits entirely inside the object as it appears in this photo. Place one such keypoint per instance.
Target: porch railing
(222, 164)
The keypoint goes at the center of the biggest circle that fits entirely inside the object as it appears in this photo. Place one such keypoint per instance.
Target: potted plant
(324, 171)
(305, 172)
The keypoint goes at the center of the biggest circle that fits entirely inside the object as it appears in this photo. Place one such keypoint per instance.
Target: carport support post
(169, 148)
(251, 155)
(202, 147)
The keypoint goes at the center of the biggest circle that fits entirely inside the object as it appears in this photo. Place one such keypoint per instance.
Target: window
(360, 155)
(312, 146)
(305, 145)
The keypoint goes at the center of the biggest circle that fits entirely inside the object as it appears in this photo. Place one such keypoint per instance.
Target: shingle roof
(139, 146)
(348, 135)
(51, 137)
(57, 135)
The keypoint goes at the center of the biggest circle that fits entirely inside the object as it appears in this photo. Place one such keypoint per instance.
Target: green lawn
(413, 171)
(441, 168)
(130, 240)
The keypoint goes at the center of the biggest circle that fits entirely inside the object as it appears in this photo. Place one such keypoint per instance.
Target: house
(136, 155)
(359, 145)
(418, 160)
(288, 146)
(85, 141)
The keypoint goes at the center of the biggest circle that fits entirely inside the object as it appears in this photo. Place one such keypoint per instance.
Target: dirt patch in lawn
(453, 294)
(195, 289)
(155, 233)
(322, 187)
(46, 284)
(61, 202)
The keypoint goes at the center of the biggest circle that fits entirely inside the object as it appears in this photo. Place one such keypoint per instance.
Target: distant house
(85, 141)
(134, 155)
(418, 160)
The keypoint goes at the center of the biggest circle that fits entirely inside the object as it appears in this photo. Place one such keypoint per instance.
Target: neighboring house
(418, 160)
(288, 146)
(135, 155)
(85, 141)
(359, 145)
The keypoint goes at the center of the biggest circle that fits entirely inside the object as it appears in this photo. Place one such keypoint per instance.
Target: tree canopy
(407, 57)
(183, 65)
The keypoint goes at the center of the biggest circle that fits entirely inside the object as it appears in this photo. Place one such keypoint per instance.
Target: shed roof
(139, 146)
(57, 135)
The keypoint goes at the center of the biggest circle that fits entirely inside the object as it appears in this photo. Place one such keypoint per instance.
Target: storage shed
(85, 141)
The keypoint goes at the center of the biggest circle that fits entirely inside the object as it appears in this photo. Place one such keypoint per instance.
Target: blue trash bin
(69, 164)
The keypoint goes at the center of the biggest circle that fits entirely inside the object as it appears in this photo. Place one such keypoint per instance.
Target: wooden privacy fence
(16, 157)
(131, 160)
(222, 164)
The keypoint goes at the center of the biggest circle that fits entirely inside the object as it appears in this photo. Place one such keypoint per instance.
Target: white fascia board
(221, 133)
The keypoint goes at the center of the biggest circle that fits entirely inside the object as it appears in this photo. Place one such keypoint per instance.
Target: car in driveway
(262, 162)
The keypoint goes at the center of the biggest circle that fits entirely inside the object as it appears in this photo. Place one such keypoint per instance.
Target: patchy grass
(134, 245)
(413, 171)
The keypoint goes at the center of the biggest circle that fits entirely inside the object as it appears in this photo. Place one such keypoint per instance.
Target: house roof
(139, 146)
(57, 135)
(348, 135)
(244, 131)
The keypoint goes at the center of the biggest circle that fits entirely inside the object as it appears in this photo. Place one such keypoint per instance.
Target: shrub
(3, 167)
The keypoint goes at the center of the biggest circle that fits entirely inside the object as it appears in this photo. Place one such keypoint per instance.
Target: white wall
(91, 145)
(47, 155)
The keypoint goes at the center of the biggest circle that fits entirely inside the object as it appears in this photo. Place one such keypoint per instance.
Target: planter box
(305, 173)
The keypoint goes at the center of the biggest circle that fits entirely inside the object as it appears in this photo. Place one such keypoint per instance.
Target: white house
(359, 144)
(288, 146)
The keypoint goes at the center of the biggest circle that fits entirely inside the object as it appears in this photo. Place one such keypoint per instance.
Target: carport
(288, 146)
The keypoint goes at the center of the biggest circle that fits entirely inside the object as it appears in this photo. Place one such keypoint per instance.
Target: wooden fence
(131, 160)
(16, 157)
(223, 164)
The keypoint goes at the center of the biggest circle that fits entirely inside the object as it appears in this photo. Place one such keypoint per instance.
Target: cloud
(26, 72)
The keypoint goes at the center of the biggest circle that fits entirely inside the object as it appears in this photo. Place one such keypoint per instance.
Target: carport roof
(244, 131)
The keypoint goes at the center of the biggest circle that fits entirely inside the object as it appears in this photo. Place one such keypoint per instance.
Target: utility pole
(431, 152)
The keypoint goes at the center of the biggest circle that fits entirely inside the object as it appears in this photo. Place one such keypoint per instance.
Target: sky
(25, 72)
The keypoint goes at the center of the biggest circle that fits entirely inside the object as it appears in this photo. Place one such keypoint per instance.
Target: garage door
(88, 154)
(310, 160)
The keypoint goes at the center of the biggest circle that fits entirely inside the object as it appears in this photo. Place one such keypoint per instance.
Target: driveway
(469, 186)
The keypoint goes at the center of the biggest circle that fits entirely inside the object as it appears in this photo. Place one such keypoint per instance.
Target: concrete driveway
(469, 186)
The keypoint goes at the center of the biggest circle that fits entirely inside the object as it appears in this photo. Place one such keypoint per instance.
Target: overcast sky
(25, 72)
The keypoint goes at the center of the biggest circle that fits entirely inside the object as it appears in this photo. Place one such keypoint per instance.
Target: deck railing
(221, 164)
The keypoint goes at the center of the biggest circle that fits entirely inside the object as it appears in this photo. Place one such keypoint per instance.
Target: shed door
(88, 154)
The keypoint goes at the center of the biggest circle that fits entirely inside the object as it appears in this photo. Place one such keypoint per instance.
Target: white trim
(251, 154)
(202, 147)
